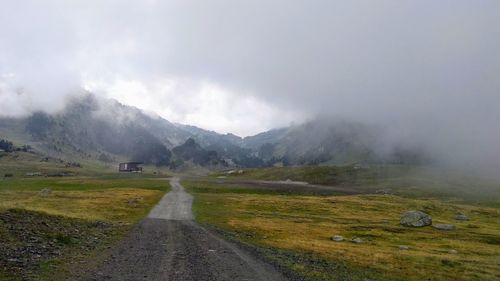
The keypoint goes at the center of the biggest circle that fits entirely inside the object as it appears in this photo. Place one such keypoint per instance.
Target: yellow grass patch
(306, 223)
(124, 205)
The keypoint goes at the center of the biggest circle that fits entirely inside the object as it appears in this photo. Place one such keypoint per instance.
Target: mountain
(193, 152)
(92, 128)
(331, 141)
(271, 136)
(105, 130)
(228, 146)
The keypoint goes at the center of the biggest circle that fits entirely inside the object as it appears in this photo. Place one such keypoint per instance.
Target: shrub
(6, 145)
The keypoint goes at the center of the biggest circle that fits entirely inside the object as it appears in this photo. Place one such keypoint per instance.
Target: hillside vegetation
(293, 227)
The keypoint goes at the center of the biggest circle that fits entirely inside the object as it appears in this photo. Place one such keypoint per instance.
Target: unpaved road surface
(176, 205)
(169, 245)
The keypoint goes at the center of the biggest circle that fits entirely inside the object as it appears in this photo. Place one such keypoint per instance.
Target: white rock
(356, 240)
(337, 238)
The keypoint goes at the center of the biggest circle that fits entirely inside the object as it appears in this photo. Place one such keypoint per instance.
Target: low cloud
(426, 70)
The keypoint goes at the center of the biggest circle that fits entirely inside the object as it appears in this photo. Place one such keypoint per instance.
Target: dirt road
(176, 205)
(169, 245)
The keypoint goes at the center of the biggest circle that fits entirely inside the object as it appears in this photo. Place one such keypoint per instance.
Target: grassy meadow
(407, 181)
(76, 216)
(294, 230)
(80, 214)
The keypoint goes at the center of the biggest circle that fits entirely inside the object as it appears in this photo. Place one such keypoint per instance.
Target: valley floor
(294, 230)
(96, 227)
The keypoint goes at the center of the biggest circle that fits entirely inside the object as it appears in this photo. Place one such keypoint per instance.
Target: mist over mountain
(406, 77)
(324, 140)
(105, 130)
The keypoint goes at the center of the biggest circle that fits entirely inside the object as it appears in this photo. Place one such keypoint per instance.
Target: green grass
(312, 174)
(94, 193)
(408, 181)
(21, 163)
(294, 231)
(118, 203)
(84, 183)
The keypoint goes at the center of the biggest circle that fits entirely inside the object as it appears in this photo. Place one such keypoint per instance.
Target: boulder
(337, 238)
(404, 247)
(453, 252)
(385, 191)
(356, 240)
(443, 226)
(415, 219)
(461, 217)
(45, 192)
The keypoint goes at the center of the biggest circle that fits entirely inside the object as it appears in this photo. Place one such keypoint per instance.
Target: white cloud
(427, 67)
(199, 103)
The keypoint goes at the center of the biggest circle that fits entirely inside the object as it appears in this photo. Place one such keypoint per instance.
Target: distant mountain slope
(89, 127)
(105, 130)
(206, 138)
(269, 137)
(322, 140)
(327, 141)
(193, 152)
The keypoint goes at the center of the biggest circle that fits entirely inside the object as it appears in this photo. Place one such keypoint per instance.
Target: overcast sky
(247, 66)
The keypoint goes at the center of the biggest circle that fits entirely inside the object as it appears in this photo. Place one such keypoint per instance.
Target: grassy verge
(49, 224)
(295, 231)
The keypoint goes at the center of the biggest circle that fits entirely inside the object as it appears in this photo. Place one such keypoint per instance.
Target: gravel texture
(169, 245)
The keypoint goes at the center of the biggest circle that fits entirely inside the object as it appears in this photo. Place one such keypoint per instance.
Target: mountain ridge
(104, 129)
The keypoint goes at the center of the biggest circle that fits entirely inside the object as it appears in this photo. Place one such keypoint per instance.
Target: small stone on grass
(356, 240)
(337, 238)
(45, 192)
(443, 226)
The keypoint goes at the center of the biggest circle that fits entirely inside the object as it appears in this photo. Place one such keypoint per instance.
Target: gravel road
(169, 245)
(176, 205)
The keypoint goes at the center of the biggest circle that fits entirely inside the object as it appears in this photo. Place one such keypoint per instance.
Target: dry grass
(71, 211)
(72, 203)
(112, 205)
(305, 224)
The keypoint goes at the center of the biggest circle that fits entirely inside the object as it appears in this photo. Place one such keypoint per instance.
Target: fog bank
(426, 71)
